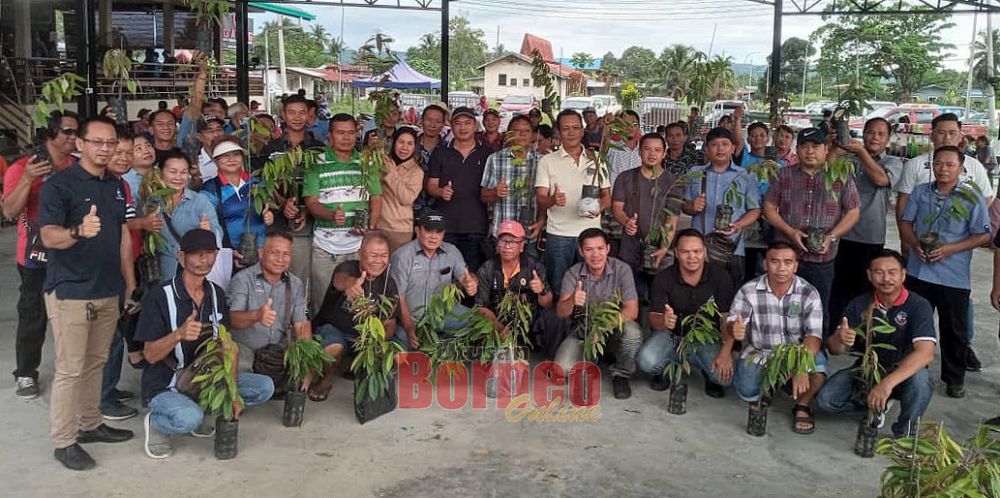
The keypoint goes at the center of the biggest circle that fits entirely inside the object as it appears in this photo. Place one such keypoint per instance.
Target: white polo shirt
(559, 168)
(918, 171)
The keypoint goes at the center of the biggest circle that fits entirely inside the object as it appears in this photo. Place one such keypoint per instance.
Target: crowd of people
(788, 255)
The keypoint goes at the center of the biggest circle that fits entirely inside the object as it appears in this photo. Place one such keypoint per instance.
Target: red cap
(511, 227)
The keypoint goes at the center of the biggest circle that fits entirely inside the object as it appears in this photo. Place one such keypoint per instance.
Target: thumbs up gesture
(339, 217)
(448, 192)
(204, 224)
(559, 197)
(632, 227)
(580, 295)
(502, 187)
(669, 317)
(846, 333)
(267, 314)
(536, 284)
(357, 289)
(739, 328)
(91, 224)
(470, 283)
(190, 329)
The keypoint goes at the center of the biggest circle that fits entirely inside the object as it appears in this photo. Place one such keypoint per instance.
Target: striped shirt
(771, 320)
(520, 179)
(338, 184)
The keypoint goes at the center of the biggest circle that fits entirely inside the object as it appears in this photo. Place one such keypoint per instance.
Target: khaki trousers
(81, 350)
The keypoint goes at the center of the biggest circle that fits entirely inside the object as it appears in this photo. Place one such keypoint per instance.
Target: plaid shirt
(622, 160)
(797, 194)
(772, 321)
(519, 177)
(687, 160)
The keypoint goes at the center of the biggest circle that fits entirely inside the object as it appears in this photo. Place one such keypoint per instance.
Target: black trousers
(472, 246)
(850, 277)
(952, 305)
(31, 322)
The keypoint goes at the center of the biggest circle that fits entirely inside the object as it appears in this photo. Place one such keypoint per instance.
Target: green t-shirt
(336, 183)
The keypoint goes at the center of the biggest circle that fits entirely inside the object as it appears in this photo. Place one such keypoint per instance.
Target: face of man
(595, 253)
(947, 168)
(651, 153)
(343, 135)
(65, 140)
(491, 122)
(175, 173)
(521, 133)
(570, 131)
(464, 128)
(886, 275)
(946, 133)
(275, 255)
(214, 109)
(197, 263)
(690, 254)
(212, 130)
(811, 154)
(633, 125)
(296, 116)
(590, 118)
(783, 140)
(392, 118)
(726, 122)
(164, 127)
(121, 161)
(758, 138)
(876, 137)
(99, 145)
(545, 145)
(374, 257)
(430, 239)
(143, 153)
(432, 122)
(720, 151)
(676, 137)
(510, 247)
(780, 266)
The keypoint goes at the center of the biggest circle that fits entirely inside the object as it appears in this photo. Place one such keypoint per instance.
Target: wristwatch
(74, 232)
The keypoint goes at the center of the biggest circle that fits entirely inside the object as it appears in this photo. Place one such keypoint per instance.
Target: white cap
(225, 147)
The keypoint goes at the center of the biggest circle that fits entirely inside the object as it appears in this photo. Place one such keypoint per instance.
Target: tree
(429, 49)
(301, 48)
(337, 48)
(610, 64)
(320, 34)
(581, 60)
(498, 51)
(713, 80)
(637, 64)
(980, 68)
(901, 48)
(678, 64)
(467, 51)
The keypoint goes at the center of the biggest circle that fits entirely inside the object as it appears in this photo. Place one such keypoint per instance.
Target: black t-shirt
(91, 268)
(336, 308)
(669, 287)
(154, 323)
(465, 212)
(274, 149)
(912, 317)
(492, 285)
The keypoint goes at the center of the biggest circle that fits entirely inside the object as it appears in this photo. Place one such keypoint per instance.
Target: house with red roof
(510, 73)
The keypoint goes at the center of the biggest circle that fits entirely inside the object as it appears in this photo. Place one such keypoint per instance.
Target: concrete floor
(635, 449)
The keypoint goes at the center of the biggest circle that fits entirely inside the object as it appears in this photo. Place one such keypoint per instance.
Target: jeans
(820, 275)
(661, 350)
(174, 413)
(850, 275)
(560, 253)
(748, 375)
(626, 346)
(113, 369)
(838, 395)
(31, 322)
(952, 306)
(332, 335)
(471, 247)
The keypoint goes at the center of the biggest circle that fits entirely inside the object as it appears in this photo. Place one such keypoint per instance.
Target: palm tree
(721, 77)
(337, 47)
(678, 65)
(320, 34)
(980, 73)
(581, 60)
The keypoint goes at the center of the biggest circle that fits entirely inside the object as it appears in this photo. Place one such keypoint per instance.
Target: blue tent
(400, 76)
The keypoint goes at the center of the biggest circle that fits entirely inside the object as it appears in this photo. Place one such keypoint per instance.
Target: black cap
(814, 135)
(719, 132)
(202, 123)
(463, 111)
(198, 239)
(431, 219)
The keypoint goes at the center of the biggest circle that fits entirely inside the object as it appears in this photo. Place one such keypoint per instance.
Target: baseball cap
(202, 124)
(431, 219)
(814, 135)
(198, 239)
(224, 147)
(463, 111)
(511, 227)
(718, 132)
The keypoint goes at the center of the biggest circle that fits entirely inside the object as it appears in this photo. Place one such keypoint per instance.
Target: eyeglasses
(101, 144)
(511, 242)
(70, 132)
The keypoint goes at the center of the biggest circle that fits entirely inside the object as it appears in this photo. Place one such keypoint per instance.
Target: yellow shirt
(559, 168)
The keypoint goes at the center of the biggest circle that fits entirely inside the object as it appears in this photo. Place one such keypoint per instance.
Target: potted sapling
(116, 67)
(701, 328)
(520, 188)
(500, 344)
(157, 197)
(375, 358)
(283, 178)
(372, 157)
(219, 396)
(869, 373)
(304, 359)
(835, 173)
(590, 195)
(784, 362)
(944, 208)
(598, 321)
(661, 215)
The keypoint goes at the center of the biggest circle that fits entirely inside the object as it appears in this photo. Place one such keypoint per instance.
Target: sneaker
(621, 387)
(157, 444)
(206, 428)
(118, 411)
(123, 396)
(714, 390)
(27, 388)
(972, 363)
(659, 383)
(74, 457)
(955, 391)
(104, 434)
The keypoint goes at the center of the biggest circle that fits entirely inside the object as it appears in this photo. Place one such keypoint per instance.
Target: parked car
(655, 111)
(578, 104)
(517, 104)
(715, 110)
(918, 114)
(820, 106)
(608, 102)
(463, 99)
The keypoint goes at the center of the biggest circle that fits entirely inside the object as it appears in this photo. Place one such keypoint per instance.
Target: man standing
(911, 348)
(874, 174)
(624, 155)
(751, 151)
(82, 215)
(492, 137)
(679, 158)
(209, 128)
(164, 126)
(21, 188)
(454, 178)
(508, 183)
(599, 279)
(722, 183)
(593, 132)
(336, 190)
(939, 270)
(558, 189)
(429, 141)
(798, 202)
(784, 137)
(678, 292)
(694, 124)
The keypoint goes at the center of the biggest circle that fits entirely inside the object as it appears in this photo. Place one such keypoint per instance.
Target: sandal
(808, 418)
(317, 396)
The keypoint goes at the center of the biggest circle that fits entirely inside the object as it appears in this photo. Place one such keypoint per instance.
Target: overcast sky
(742, 28)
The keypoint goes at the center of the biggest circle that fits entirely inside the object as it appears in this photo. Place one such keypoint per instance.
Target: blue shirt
(952, 271)
(234, 208)
(134, 179)
(716, 186)
(748, 159)
(185, 216)
(320, 130)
